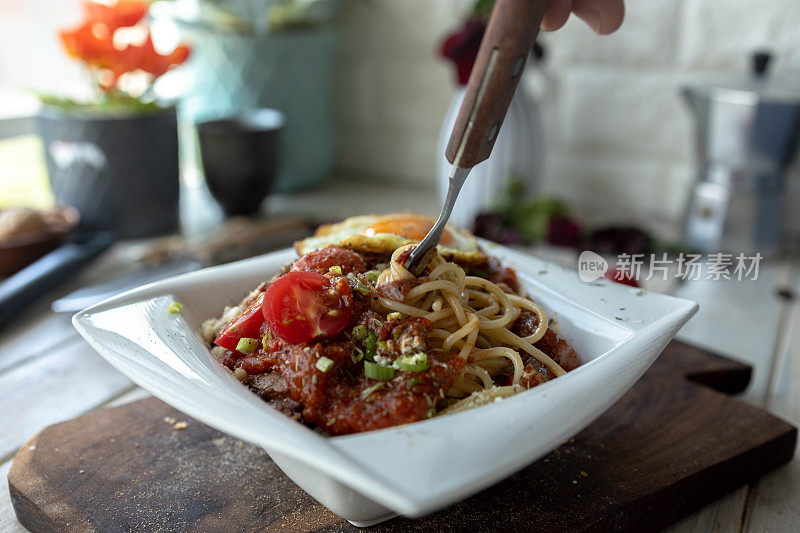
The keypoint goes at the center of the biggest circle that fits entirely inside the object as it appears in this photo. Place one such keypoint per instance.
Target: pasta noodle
(473, 316)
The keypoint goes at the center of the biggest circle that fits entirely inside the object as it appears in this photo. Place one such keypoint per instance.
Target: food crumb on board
(574, 481)
(82, 471)
(584, 474)
(180, 425)
(169, 420)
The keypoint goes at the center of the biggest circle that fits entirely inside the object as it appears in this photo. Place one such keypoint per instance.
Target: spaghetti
(473, 316)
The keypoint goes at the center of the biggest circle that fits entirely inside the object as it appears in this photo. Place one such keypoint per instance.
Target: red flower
(122, 14)
(93, 43)
(462, 47)
(563, 231)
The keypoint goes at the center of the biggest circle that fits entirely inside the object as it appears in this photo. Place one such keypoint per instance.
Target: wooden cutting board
(670, 446)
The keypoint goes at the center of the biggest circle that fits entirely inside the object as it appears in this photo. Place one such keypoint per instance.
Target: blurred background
(617, 134)
(677, 133)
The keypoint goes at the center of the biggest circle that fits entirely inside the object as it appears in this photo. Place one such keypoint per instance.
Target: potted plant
(275, 54)
(114, 156)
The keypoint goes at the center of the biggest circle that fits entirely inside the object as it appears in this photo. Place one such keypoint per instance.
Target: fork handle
(513, 26)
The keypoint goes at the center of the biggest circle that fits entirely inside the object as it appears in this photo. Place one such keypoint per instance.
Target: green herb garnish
(413, 382)
(370, 345)
(413, 363)
(247, 345)
(362, 289)
(360, 332)
(324, 364)
(378, 372)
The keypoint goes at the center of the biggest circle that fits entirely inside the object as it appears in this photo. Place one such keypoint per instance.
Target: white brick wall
(393, 91)
(620, 137)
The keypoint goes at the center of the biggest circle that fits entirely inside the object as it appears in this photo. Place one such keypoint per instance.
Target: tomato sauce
(317, 330)
(536, 373)
(342, 399)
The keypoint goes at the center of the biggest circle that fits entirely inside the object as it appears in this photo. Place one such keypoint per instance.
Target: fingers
(603, 16)
(556, 15)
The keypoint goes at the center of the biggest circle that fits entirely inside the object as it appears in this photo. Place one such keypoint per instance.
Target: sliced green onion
(357, 356)
(174, 308)
(413, 382)
(360, 332)
(381, 346)
(265, 340)
(372, 275)
(247, 345)
(335, 270)
(370, 345)
(381, 373)
(413, 363)
(324, 364)
(394, 316)
(361, 288)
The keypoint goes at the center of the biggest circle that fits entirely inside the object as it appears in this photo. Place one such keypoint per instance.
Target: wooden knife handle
(512, 28)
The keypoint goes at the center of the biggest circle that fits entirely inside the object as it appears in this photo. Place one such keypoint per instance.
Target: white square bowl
(413, 469)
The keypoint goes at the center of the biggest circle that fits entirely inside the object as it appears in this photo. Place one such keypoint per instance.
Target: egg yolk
(414, 228)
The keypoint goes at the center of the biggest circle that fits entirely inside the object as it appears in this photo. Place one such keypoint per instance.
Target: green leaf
(508, 200)
(110, 104)
(531, 217)
(482, 9)
(528, 216)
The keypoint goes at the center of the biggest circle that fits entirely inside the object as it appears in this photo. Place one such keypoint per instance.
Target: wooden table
(49, 374)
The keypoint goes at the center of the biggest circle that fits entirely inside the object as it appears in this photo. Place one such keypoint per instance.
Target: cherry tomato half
(300, 306)
(247, 324)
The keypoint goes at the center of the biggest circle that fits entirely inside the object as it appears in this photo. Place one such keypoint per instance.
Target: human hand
(603, 16)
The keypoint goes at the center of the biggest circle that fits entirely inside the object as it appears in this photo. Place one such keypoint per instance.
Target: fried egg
(383, 234)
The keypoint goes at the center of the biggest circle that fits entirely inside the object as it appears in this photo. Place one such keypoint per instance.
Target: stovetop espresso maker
(747, 135)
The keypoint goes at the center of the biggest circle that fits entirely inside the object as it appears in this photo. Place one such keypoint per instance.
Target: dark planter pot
(119, 171)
